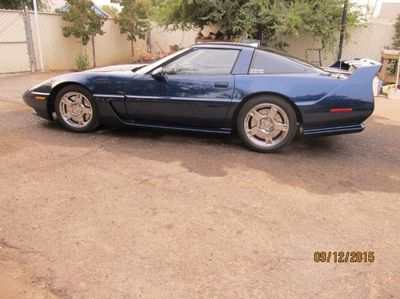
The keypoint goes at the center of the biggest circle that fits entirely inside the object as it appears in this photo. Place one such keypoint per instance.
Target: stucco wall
(59, 52)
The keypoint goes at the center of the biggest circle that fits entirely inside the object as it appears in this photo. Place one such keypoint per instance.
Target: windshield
(160, 62)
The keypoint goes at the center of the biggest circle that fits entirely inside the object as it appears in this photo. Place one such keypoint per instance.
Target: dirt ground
(124, 213)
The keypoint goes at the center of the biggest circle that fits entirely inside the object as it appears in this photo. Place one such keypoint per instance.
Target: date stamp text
(344, 256)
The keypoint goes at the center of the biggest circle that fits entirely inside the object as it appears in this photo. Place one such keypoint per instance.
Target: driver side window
(205, 62)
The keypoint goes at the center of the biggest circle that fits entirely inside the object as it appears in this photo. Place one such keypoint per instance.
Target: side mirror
(158, 74)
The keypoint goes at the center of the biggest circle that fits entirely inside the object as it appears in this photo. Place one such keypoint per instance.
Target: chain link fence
(365, 41)
(14, 46)
(19, 46)
(19, 50)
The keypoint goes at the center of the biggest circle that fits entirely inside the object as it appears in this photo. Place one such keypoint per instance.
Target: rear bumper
(334, 130)
(38, 101)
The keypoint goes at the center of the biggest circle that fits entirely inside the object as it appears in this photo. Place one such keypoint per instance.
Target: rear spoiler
(356, 87)
(365, 73)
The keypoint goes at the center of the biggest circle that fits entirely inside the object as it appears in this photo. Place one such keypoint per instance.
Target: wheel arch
(296, 109)
(56, 89)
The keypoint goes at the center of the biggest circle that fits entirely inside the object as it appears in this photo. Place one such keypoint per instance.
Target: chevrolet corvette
(265, 97)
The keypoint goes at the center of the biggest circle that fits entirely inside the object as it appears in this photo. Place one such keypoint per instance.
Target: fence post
(29, 39)
(38, 35)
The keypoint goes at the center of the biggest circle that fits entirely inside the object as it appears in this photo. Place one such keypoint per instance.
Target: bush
(82, 61)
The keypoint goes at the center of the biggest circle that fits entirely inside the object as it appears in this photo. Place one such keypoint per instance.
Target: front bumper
(38, 101)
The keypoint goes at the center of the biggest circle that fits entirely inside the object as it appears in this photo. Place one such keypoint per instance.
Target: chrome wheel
(75, 109)
(266, 125)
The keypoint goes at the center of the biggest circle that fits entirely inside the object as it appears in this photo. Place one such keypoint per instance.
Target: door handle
(221, 84)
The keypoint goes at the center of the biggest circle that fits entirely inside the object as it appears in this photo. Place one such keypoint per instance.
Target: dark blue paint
(243, 62)
(209, 103)
(180, 99)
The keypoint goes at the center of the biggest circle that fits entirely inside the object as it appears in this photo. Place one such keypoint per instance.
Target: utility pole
(343, 28)
(29, 39)
(35, 9)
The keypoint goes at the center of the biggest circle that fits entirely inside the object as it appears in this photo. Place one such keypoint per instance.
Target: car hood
(116, 68)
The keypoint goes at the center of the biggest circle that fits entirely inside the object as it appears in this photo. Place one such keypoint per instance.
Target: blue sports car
(265, 97)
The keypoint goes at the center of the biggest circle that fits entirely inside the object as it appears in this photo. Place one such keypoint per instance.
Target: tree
(83, 22)
(185, 14)
(112, 11)
(133, 19)
(396, 37)
(20, 4)
(262, 19)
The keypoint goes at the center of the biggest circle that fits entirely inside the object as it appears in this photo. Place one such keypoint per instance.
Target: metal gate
(16, 47)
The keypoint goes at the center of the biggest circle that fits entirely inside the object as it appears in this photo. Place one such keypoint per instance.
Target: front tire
(266, 123)
(76, 109)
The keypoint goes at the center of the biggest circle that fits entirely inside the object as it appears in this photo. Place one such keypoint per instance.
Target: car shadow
(368, 161)
(348, 163)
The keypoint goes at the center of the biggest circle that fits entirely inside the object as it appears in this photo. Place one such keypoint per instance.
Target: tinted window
(270, 63)
(204, 61)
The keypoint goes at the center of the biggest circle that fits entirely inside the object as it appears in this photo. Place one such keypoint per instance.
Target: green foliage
(83, 22)
(396, 37)
(20, 4)
(268, 19)
(82, 61)
(281, 46)
(186, 14)
(133, 18)
(112, 11)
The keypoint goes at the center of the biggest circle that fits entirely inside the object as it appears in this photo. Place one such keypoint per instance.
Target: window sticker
(256, 71)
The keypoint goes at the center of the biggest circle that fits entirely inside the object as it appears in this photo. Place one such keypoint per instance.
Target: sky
(106, 2)
(371, 3)
(59, 3)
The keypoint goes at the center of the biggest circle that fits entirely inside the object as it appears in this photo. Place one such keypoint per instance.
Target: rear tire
(266, 123)
(76, 109)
